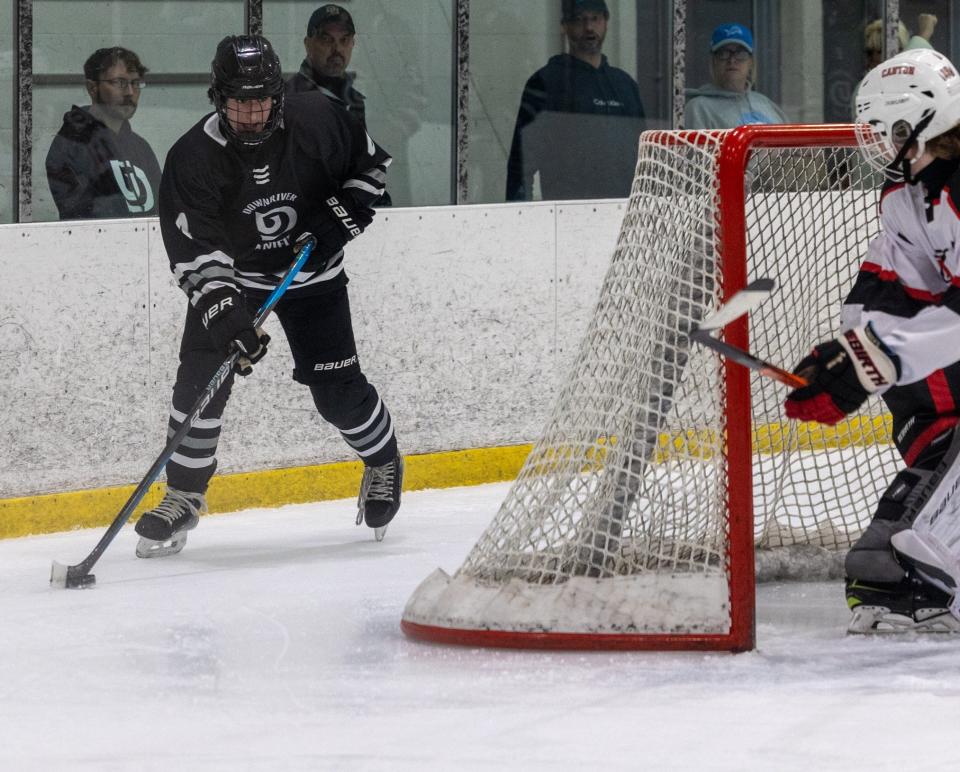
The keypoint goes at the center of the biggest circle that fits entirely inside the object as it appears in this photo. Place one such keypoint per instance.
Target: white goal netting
(620, 522)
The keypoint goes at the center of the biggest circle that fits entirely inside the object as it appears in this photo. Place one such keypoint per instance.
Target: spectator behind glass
(579, 118)
(730, 100)
(97, 166)
(873, 38)
(329, 43)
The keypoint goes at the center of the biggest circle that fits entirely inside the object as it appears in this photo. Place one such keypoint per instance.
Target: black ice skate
(163, 531)
(904, 607)
(380, 495)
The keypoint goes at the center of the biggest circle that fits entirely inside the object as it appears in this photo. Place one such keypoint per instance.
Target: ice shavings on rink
(272, 642)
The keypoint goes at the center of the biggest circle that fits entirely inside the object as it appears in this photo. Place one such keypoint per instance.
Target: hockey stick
(741, 303)
(79, 575)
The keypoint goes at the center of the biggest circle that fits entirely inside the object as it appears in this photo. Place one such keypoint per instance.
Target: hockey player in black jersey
(901, 339)
(239, 191)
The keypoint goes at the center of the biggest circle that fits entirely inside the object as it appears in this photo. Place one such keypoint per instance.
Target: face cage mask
(248, 139)
(881, 153)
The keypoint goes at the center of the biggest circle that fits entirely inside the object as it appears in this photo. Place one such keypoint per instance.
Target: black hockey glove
(231, 328)
(841, 374)
(335, 223)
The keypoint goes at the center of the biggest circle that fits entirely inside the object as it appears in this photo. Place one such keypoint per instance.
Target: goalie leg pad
(932, 544)
(871, 559)
(921, 488)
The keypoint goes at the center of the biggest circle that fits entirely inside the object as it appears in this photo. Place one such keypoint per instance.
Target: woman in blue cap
(730, 100)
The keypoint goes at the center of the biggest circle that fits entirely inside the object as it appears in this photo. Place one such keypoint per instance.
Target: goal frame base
(507, 639)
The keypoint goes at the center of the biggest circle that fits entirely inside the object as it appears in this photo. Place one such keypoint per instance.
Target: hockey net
(664, 471)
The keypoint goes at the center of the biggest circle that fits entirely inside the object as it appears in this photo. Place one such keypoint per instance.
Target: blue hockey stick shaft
(79, 575)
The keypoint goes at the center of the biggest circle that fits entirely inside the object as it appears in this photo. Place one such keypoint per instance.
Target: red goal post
(663, 470)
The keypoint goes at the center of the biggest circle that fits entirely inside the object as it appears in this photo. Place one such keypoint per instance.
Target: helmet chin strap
(901, 163)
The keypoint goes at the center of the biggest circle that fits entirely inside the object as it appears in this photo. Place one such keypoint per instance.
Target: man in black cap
(577, 156)
(329, 43)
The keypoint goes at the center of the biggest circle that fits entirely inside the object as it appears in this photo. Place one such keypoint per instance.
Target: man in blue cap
(730, 100)
(583, 155)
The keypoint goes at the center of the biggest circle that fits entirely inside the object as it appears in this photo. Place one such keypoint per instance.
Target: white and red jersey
(908, 287)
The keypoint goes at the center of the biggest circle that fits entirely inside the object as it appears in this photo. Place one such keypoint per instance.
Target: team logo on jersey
(274, 219)
(134, 185)
(276, 223)
(261, 176)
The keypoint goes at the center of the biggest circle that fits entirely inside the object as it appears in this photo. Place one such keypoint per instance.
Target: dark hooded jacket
(340, 91)
(581, 155)
(95, 173)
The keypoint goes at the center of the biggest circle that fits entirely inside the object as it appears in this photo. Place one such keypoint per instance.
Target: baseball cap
(327, 14)
(731, 33)
(572, 7)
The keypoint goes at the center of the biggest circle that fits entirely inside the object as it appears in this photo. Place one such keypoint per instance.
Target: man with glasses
(97, 166)
(730, 100)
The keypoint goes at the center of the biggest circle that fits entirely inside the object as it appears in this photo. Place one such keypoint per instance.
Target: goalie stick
(79, 575)
(741, 303)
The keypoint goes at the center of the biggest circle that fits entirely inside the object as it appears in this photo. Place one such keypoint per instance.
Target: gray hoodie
(710, 107)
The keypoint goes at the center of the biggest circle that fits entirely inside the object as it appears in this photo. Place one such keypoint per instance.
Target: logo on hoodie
(134, 185)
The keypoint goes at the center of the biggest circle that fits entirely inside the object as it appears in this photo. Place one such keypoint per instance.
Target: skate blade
(379, 533)
(151, 548)
(877, 620)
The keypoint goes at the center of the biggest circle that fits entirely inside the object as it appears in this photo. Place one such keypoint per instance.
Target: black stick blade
(70, 577)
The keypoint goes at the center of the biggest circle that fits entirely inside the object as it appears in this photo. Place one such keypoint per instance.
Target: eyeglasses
(735, 54)
(121, 83)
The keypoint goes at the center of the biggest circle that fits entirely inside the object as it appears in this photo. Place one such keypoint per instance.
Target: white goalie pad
(932, 545)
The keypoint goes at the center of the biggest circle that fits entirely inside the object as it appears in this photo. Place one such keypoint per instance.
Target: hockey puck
(87, 580)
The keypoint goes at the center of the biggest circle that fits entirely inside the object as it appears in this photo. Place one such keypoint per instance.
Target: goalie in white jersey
(901, 340)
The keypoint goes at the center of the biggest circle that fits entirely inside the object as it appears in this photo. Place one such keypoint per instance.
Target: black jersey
(230, 217)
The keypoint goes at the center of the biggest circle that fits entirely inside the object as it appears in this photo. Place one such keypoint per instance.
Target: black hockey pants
(320, 333)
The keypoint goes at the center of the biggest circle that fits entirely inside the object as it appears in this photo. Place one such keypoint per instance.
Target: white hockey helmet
(904, 102)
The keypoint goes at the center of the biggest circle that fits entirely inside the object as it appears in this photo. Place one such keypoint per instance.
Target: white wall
(464, 318)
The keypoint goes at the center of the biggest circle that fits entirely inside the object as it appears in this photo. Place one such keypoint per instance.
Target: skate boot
(380, 495)
(908, 606)
(163, 531)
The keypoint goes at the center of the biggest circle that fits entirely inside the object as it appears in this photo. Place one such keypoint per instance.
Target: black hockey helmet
(246, 67)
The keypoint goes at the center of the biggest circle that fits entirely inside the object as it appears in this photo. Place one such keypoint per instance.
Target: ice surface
(272, 642)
